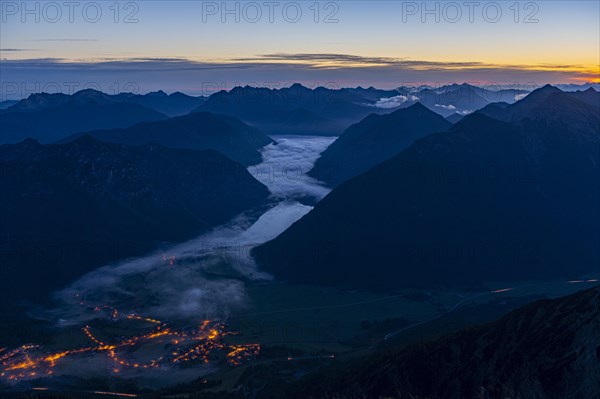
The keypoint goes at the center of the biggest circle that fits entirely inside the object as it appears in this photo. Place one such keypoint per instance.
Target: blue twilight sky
(198, 47)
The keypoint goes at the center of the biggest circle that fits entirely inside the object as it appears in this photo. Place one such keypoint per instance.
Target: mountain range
(295, 109)
(174, 104)
(198, 130)
(462, 99)
(51, 117)
(292, 110)
(326, 111)
(487, 200)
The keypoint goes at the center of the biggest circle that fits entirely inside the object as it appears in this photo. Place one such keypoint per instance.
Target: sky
(198, 47)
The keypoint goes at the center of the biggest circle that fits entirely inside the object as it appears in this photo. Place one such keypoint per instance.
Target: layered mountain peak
(198, 130)
(374, 140)
(541, 93)
(416, 107)
(158, 93)
(38, 101)
(92, 96)
(475, 120)
(89, 93)
(575, 111)
(298, 86)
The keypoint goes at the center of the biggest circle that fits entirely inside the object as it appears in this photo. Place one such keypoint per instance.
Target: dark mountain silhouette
(198, 130)
(548, 101)
(50, 117)
(175, 104)
(549, 349)
(329, 111)
(486, 200)
(525, 106)
(589, 96)
(460, 98)
(449, 99)
(576, 112)
(69, 208)
(494, 110)
(373, 140)
(319, 111)
(577, 87)
(7, 103)
(454, 118)
(371, 93)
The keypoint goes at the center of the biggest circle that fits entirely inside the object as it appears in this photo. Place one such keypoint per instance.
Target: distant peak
(87, 92)
(548, 88)
(159, 93)
(541, 93)
(90, 95)
(297, 86)
(418, 106)
(416, 109)
(476, 120)
(44, 95)
(36, 95)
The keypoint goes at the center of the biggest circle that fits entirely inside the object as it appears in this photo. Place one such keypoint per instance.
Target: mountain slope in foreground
(549, 349)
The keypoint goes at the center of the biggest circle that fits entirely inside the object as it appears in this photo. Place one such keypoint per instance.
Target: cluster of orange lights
(180, 346)
(239, 354)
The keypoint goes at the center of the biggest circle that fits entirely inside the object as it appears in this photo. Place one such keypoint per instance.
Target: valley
(299, 200)
(125, 322)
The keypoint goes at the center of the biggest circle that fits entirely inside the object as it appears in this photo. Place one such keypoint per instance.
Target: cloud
(449, 107)
(197, 77)
(286, 165)
(341, 59)
(332, 59)
(16, 50)
(393, 102)
(185, 282)
(63, 40)
(520, 96)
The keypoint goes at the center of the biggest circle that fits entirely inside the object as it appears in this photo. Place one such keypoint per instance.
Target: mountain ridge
(374, 140)
(488, 200)
(198, 130)
(85, 203)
